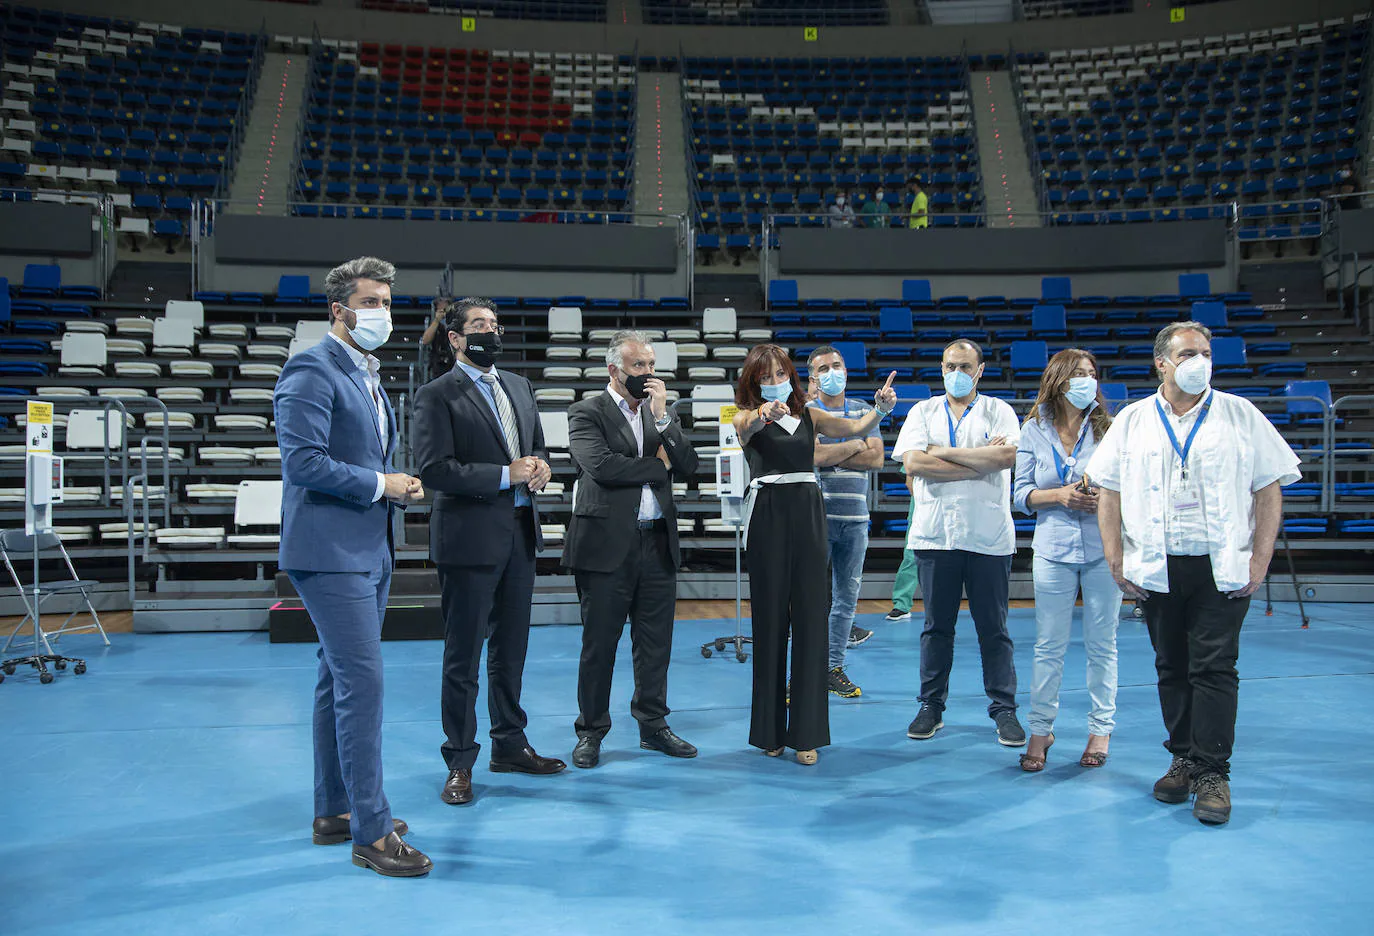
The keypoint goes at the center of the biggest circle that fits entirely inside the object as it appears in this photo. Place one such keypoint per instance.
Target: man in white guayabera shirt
(1189, 508)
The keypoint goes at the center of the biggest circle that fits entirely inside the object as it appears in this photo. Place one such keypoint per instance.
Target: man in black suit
(481, 449)
(622, 543)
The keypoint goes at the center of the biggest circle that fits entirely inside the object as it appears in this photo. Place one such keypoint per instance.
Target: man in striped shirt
(842, 467)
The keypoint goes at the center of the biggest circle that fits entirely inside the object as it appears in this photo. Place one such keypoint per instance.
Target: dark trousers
(644, 589)
(347, 609)
(491, 603)
(787, 592)
(945, 574)
(1195, 631)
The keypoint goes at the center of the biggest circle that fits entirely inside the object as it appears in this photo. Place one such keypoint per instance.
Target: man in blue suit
(337, 433)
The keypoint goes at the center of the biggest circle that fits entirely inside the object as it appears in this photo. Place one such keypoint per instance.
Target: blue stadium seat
(1028, 358)
(41, 280)
(782, 294)
(1048, 321)
(1213, 315)
(916, 294)
(293, 290)
(1229, 358)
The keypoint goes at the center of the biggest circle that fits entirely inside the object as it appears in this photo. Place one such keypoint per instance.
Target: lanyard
(1188, 444)
(1064, 466)
(954, 426)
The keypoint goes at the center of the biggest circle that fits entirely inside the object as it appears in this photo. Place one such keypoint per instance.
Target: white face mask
(1194, 374)
(878, 196)
(840, 201)
(373, 327)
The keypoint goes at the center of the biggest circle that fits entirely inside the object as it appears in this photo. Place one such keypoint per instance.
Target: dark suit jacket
(610, 475)
(460, 450)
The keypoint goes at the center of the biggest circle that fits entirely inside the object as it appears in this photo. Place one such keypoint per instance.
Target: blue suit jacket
(331, 452)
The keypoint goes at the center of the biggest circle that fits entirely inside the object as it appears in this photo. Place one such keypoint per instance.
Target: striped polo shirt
(845, 490)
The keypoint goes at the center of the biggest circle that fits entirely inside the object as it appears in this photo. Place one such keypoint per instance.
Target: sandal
(806, 757)
(776, 752)
(1093, 758)
(1032, 763)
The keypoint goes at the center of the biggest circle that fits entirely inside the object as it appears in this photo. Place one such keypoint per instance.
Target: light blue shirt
(371, 369)
(1061, 534)
(522, 499)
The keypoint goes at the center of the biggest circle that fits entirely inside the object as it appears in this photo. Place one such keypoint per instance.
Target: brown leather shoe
(525, 760)
(331, 830)
(1212, 799)
(394, 859)
(1175, 785)
(458, 787)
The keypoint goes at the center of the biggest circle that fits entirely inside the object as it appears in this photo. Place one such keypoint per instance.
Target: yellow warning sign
(39, 427)
(811, 34)
(727, 413)
(1176, 14)
(469, 24)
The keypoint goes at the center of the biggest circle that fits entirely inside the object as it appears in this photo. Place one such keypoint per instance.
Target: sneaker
(858, 635)
(926, 723)
(1174, 786)
(897, 615)
(839, 684)
(1009, 730)
(1212, 799)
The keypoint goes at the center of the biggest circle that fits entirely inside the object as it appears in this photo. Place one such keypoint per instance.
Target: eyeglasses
(486, 330)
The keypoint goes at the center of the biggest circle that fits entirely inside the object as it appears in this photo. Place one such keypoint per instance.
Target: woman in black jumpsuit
(786, 550)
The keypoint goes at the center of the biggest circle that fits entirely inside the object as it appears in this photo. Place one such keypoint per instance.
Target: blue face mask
(831, 382)
(958, 384)
(776, 391)
(1082, 391)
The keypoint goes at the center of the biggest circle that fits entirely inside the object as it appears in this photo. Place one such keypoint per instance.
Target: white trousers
(1056, 590)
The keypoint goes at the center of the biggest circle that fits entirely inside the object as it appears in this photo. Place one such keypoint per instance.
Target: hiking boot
(1009, 730)
(839, 684)
(1212, 799)
(926, 723)
(1174, 786)
(897, 615)
(858, 635)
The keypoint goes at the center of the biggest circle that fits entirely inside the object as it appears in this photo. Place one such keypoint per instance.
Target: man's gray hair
(615, 351)
(342, 281)
(1167, 333)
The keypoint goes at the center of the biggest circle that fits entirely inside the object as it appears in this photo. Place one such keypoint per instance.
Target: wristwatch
(663, 423)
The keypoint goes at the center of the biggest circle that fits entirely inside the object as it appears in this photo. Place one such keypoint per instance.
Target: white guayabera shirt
(1235, 453)
(974, 516)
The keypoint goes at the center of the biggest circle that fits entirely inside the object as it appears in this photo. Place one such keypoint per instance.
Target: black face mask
(483, 348)
(635, 385)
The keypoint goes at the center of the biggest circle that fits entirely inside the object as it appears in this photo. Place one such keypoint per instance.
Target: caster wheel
(720, 645)
(59, 664)
(79, 668)
(46, 678)
(706, 652)
(741, 656)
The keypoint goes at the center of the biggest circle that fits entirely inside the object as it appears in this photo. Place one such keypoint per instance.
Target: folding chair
(257, 504)
(16, 545)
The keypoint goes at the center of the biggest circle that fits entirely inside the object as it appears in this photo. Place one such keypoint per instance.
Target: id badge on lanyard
(1185, 493)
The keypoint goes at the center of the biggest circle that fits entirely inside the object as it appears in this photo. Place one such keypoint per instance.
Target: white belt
(791, 477)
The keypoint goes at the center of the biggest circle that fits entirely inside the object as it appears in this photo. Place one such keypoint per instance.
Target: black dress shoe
(458, 787)
(394, 859)
(588, 751)
(331, 830)
(665, 742)
(525, 760)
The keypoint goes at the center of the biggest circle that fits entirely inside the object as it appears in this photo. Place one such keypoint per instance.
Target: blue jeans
(1056, 589)
(848, 541)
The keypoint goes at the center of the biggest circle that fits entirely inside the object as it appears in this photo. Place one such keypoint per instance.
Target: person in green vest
(920, 202)
(875, 211)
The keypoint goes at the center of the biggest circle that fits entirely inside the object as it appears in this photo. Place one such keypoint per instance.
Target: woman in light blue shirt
(1062, 431)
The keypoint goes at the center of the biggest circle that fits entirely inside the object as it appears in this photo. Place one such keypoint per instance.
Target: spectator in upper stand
(875, 211)
(841, 212)
(919, 206)
(1347, 184)
(437, 349)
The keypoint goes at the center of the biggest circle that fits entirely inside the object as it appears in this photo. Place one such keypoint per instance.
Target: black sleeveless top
(772, 450)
